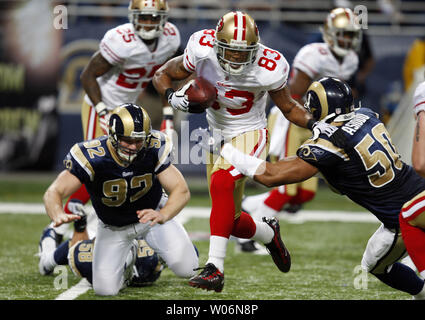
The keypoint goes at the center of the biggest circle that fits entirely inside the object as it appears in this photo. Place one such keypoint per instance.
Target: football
(201, 95)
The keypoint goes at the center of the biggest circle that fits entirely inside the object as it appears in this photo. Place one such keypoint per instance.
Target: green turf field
(325, 258)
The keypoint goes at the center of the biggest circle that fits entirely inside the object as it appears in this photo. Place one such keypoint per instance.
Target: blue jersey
(80, 258)
(118, 191)
(368, 170)
(147, 267)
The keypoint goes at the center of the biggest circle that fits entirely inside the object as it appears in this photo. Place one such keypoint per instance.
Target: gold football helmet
(236, 42)
(342, 31)
(130, 123)
(148, 17)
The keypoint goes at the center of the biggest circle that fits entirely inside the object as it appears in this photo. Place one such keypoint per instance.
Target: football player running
(244, 72)
(119, 72)
(142, 266)
(367, 170)
(336, 57)
(125, 174)
(412, 217)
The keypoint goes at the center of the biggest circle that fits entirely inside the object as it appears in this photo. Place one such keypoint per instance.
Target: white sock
(251, 203)
(263, 233)
(48, 245)
(47, 261)
(217, 253)
(263, 210)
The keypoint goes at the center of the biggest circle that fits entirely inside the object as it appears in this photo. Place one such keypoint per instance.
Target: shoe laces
(208, 270)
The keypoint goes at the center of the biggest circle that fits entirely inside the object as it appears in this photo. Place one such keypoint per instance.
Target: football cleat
(253, 247)
(276, 248)
(48, 243)
(209, 279)
(293, 208)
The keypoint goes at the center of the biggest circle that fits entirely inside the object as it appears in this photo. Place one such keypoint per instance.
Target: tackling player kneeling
(125, 174)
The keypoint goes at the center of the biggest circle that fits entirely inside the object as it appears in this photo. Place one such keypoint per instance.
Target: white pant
(383, 249)
(169, 240)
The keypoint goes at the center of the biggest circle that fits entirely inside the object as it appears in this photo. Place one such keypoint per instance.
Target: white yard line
(74, 292)
(203, 212)
(196, 212)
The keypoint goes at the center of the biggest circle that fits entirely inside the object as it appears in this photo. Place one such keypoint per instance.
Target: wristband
(101, 109)
(80, 225)
(310, 124)
(245, 164)
(168, 93)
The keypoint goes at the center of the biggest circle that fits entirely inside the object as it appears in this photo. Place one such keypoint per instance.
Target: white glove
(101, 109)
(336, 135)
(322, 127)
(178, 100)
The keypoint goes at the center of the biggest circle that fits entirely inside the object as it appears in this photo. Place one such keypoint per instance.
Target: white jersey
(316, 60)
(134, 64)
(241, 100)
(419, 98)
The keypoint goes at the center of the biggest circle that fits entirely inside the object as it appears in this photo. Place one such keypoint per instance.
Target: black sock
(402, 278)
(61, 253)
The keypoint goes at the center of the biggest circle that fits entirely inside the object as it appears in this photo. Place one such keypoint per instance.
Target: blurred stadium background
(40, 92)
(40, 100)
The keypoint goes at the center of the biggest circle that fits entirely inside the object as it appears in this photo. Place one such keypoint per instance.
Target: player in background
(142, 267)
(119, 72)
(136, 192)
(244, 72)
(412, 216)
(336, 57)
(368, 170)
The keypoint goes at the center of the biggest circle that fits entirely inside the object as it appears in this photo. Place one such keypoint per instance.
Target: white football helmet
(157, 10)
(236, 42)
(341, 31)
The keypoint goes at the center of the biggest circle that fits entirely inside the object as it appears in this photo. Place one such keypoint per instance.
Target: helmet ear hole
(236, 42)
(330, 99)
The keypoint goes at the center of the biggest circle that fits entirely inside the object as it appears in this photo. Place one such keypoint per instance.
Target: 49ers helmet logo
(220, 25)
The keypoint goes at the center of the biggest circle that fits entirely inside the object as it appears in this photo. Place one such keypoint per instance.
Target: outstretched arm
(64, 185)
(286, 171)
(292, 109)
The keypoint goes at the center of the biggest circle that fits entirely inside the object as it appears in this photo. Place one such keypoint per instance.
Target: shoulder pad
(163, 146)
(173, 35)
(308, 59)
(117, 43)
(77, 155)
(271, 68)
